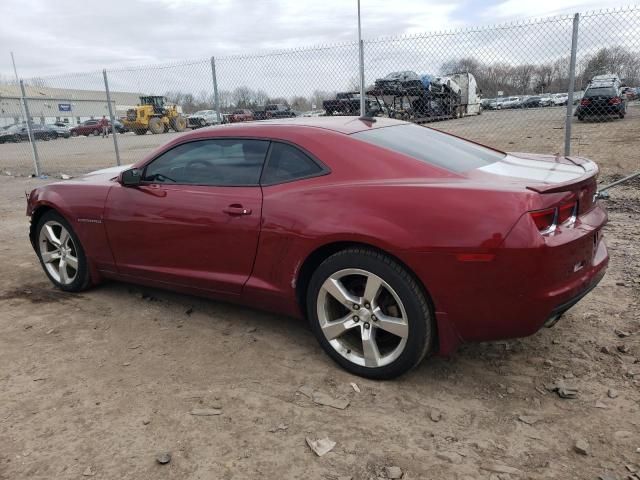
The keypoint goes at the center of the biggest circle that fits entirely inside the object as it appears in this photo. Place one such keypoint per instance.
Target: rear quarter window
(433, 147)
(287, 163)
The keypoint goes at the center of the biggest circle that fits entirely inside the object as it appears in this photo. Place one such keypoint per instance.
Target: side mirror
(131, 177)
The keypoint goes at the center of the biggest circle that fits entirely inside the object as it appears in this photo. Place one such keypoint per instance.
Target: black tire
(179, 123)
(17, 139)
(74, 134)
(96, 133)
(156, 126)
(83, 278)
(421, 330)
(581, 117)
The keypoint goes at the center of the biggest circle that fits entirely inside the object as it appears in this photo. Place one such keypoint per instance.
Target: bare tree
(260, 98)
(300, 103)
(242, 97)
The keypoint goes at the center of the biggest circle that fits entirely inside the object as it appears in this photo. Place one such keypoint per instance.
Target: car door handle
(236, 209)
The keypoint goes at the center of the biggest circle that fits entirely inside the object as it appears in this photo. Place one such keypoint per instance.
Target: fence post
(216, 100)
(572, 85)
(111, 117)
(361, 64)
(32, 140)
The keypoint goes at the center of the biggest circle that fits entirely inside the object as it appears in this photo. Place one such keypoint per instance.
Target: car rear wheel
(74, 134)
(369, 313)
(61, 254)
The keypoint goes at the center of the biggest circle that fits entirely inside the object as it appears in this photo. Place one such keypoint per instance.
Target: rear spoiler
(591, 171)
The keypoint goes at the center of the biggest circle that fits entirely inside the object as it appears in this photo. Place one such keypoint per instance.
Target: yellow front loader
(155, 115)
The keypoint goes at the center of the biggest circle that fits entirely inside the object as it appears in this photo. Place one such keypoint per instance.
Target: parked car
(381, 287)
(202, 118)
(61, 129)
(10, 135)
(120, 127)
(531, 102)
(602, 98)
(629, 93)
(274, 110)
(241, 115)
(278, 110)
(546, 100)
(509, 102)
(19, 132)
(559, 99)
(485, 103)
(90, 127)
(345, 103)
(492, 104)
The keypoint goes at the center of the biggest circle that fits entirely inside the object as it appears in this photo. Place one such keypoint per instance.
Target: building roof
(48, 93)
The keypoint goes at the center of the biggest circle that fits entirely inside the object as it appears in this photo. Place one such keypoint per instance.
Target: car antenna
(364, 118)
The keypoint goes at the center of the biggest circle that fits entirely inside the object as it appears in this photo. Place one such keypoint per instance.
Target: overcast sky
(51, 37)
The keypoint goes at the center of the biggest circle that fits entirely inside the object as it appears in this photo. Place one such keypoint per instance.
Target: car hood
(100, 176)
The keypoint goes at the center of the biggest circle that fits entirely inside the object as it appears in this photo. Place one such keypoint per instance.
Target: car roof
(340, 124)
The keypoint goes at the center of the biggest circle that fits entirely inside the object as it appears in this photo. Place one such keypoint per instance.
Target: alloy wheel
(58, 252)
(362, 317)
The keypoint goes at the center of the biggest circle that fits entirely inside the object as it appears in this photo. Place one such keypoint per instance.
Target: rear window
(431, 146)
(601, 92)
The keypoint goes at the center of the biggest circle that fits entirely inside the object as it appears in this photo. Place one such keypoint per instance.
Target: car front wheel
(369, 313)
(61, 254)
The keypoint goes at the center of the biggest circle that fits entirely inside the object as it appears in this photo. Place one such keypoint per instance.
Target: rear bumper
(598, 110)
(529, 283)
(561, 309)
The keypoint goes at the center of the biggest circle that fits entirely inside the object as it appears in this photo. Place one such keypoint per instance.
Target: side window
(288, 163)
(210, 162)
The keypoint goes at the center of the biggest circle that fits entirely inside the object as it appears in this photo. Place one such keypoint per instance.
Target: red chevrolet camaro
(393, 240)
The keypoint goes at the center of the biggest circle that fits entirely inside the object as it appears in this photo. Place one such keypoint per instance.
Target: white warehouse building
(48, 105)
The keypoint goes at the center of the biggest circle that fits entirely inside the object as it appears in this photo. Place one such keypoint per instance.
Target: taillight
(615, 101)
(567, 211)
(545, 220)
(585, 101)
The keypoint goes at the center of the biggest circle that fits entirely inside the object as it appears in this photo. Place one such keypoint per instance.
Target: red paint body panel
(435, 221)
(182, 234)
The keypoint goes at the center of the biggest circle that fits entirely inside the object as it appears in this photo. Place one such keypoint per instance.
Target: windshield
(432, 146)
(600, 92)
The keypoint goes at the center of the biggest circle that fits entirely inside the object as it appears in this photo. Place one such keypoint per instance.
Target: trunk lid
(546, 174)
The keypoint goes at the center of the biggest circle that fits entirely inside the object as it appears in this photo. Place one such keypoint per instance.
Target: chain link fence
(507, 86)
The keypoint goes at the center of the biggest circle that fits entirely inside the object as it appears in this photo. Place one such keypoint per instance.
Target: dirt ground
(97, 384)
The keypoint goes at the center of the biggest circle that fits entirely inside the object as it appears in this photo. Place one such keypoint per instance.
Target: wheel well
(35, 218)
(319, 255)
